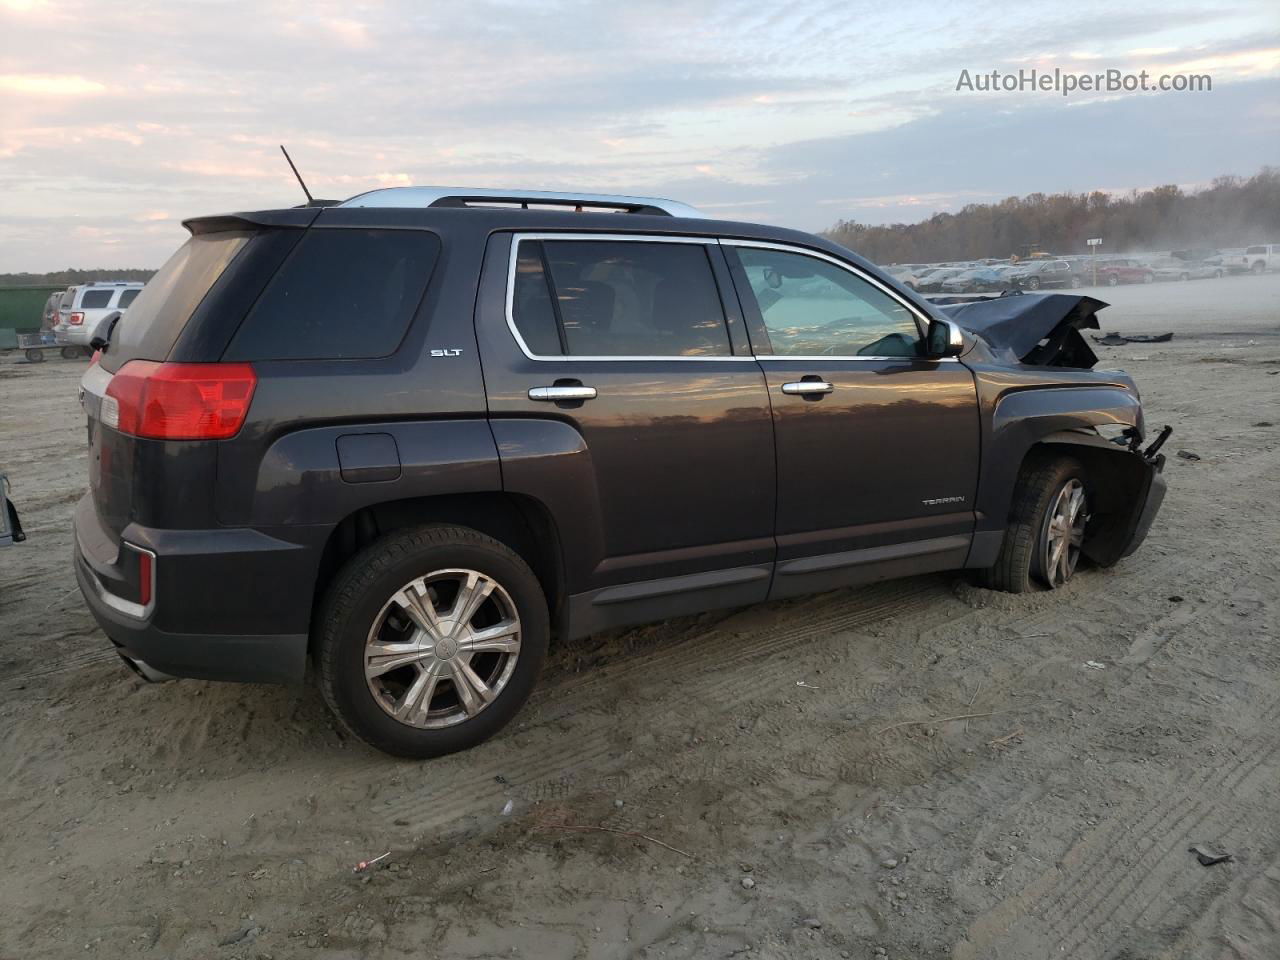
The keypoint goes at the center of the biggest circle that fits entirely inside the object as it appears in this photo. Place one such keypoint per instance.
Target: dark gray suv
(403, 441)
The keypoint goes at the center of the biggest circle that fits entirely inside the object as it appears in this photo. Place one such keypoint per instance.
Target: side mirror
(943, 340)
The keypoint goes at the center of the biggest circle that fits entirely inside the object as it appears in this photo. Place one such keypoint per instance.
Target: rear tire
(1026, 555)
(35, 355)
(399, 672)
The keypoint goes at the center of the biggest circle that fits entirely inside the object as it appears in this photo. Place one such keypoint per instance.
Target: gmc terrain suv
(410, 437)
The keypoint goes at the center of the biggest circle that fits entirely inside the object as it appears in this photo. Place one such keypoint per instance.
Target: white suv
(84, 307)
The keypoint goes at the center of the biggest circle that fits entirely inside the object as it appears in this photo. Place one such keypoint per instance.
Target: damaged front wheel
(1046, 527)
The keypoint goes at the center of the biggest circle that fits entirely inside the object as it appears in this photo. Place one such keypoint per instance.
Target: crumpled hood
(1042, 329)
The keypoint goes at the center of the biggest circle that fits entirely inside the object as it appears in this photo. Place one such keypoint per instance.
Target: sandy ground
(792, 754)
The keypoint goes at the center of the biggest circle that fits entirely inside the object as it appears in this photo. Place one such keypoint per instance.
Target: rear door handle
(804, 388)
(554, 394)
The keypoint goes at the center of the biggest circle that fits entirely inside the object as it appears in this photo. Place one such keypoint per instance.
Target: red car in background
(1115, 272)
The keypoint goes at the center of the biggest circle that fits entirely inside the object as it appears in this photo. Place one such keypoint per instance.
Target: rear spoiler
(299, 217)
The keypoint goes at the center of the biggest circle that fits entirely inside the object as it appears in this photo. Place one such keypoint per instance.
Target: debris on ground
(1207, 855)
(242, 935)
(1006, 739)
(364, 865)
(1095, 665)
(1115, 339)
(1188, 455)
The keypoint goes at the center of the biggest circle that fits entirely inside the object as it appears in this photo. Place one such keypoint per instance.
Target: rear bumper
(225, 605)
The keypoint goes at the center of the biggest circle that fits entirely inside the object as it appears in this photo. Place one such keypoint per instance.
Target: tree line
(69, 277)
(1231, 212)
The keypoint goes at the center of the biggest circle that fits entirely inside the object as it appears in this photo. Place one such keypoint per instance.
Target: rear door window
(618, 298)
(96, 299)
(342, 294)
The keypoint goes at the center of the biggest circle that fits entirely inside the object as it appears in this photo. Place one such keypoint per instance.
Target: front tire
(1046, 527)
(431, 639)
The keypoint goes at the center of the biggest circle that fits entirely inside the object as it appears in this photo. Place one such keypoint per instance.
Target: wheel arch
(1117, 480)
(520, 522)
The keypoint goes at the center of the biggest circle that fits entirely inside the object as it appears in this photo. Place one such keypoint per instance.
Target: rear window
(128, 297)
(341, 295)
(151, 327)
(95, 299)
(1256, 250)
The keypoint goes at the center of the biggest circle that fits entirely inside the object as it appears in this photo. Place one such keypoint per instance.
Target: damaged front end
(1036, 381)
(1038, 329)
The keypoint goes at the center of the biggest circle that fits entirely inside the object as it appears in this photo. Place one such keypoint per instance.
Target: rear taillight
(179, 401)
(76, 319)
(146, 575)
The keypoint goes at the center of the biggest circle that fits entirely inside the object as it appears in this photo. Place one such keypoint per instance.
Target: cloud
(49, 85)
(798, 113)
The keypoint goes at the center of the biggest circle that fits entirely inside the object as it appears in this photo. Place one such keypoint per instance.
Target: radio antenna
(310, 200)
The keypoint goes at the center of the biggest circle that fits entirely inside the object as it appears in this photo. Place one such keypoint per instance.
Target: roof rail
(476, 196)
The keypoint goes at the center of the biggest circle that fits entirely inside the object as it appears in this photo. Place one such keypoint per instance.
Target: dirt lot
(793, 755)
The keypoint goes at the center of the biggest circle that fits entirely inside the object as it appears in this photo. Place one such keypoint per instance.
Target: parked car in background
(1171, 268)
(91, 304)
(1115, 272)
(65, 300)
(1260, 258)
(975, 280)
(1046, 273)
(932, 283)
(904, 275)
(49, 317)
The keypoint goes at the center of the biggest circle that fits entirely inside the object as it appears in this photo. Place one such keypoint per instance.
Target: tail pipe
(145, 670)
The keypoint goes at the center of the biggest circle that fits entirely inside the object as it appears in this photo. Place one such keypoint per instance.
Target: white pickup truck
(1259, 258)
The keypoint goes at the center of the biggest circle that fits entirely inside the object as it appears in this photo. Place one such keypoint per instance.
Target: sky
(118, 119)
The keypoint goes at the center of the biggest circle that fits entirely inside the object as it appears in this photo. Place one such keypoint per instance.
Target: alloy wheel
(442, 649)
(1063, 533)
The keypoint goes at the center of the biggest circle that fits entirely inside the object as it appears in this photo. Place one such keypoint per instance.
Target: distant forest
(1231, 212)
(59, 278)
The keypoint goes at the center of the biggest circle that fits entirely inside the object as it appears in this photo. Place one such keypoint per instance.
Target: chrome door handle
(554, 394)
(804, 388)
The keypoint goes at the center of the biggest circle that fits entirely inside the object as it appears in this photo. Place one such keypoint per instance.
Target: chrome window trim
(514, 256)
(921, 317)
